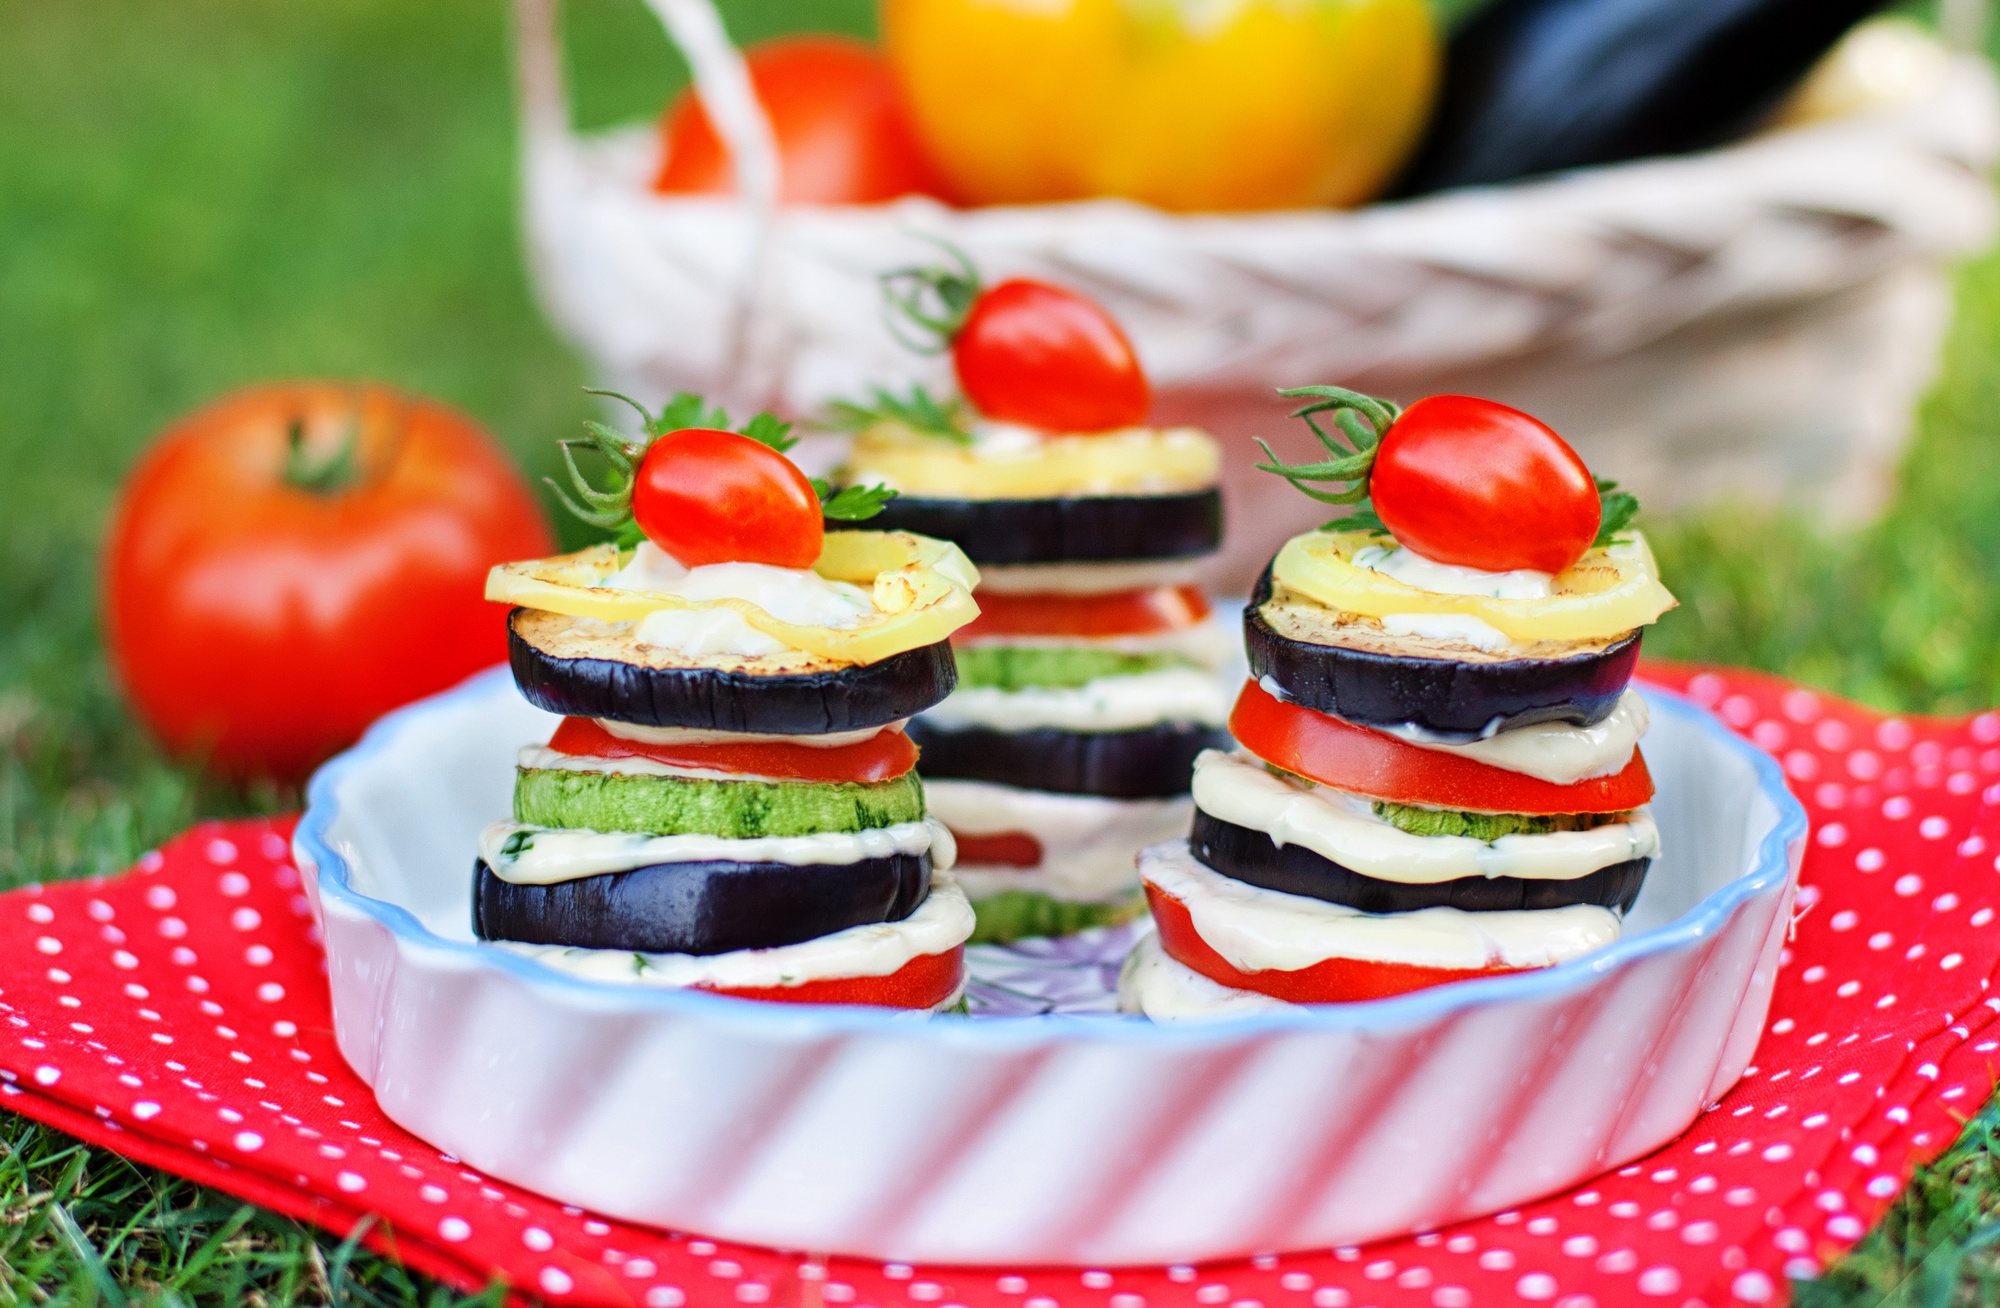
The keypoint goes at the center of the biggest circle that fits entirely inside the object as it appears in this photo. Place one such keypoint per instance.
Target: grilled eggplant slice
(1252, 857)
(815, 701)
(700, 908)
(1154, 762)
(1453, 700)
(1084, 529)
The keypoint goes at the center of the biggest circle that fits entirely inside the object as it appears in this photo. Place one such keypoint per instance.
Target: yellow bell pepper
(921, 588)
(1609, 591)
(1190, 105)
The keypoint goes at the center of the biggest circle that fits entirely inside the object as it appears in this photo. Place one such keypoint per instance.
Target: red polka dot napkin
(179, 1016)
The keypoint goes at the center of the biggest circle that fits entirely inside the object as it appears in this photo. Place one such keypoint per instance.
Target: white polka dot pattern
(180, 1016)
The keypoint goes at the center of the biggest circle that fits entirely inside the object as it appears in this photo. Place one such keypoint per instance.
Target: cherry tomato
(884, 756)
(1002, 849)
(1337, 753)
(1331, 981)
(924, 982)
(1473, 483)
(1146, 612)
(707, 496)
(265, 599)
(844, 135)
(1046, 357)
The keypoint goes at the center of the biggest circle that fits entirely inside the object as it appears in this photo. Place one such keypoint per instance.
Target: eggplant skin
(700, 908)
(1154, 762)
(1084, 529)
(1251, 856)
(1452, 701)
(1533, 86)
(708, 699)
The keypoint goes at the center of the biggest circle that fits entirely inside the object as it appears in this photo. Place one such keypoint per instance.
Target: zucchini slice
(669, 806)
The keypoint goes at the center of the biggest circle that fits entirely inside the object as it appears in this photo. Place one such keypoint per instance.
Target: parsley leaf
(767, 430)
(851, 503)
(920, 411)
(1618, 509)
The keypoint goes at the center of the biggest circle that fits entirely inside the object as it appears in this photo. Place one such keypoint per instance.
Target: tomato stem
(934, 301)
(328, 475)
(1362, 420)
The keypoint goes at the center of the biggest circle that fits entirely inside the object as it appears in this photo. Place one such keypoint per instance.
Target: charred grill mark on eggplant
(700, 908)
(1083, 529)
(1251, 856)
(1454, 701)
(708, 699)
(1154, 762)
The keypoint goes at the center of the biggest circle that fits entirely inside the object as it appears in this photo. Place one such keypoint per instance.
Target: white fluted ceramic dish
(1072, 1138)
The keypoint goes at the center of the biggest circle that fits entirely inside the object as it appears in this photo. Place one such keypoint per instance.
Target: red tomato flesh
(844, 134)
(707, 496)
(1045, 357)
(1334, 981)
(257, 625)
(1338, 753)
(924, 982)
(884, 756)
(1146, 612)
(1469, 482)
(1003, 849)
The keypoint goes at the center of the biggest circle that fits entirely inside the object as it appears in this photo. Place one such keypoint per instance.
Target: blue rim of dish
(1419, 1008)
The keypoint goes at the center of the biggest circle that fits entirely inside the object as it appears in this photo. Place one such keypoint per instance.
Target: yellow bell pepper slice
(921, 588)
(1609, 591)
(1136, 461)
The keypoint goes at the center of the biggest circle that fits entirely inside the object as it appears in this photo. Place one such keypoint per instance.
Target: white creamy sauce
(1413, 569)
(696, 736)
(1164, 989)
(1209, 643)
(553, 855)
(1555, 752)
(942, 922)
(1086, 578)
(1459, 628)
(1258, 930)
(1343, 827)
(796, 595)
(1089, 843)
(542, 757)
(1106, 704)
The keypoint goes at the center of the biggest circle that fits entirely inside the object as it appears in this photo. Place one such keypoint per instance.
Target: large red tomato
(291, 562)
(844, 135)
(1472, 482)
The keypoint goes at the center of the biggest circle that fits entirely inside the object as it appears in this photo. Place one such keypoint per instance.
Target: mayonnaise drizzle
(1342, 827)
(1413, 569)
(1556, 752)
(1165, 989)
(552, 855)
(796, 595)
(1088, 842)
(942, 922)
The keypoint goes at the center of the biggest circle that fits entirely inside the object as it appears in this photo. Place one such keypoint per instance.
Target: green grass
(200, 193)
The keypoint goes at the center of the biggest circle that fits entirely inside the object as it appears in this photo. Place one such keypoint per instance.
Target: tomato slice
(884, 756)
(1004, 849)
(1335, 981)
(1338, 753)
(924, 982)
(1143, 612)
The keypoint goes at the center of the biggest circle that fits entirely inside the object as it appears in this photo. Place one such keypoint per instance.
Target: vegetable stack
(729, 803)
(1439, 775)
(1088, 685)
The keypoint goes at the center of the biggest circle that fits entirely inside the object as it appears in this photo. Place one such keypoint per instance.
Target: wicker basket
(1753, 320)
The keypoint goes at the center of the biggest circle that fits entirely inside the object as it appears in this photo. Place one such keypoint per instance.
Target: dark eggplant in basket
(1155, 762)
(1252, 857)
(1451, 701)
(700, 908)
(706, 699)
(1535, 86)
(1085, 529)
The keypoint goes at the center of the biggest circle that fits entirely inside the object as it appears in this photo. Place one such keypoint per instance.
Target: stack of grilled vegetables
(1087, 686)
(729, 802)
(1439, 775)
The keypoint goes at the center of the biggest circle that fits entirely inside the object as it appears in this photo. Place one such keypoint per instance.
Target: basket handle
(722, 81)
